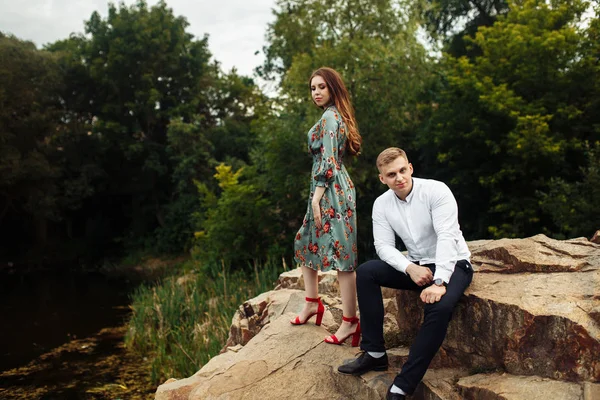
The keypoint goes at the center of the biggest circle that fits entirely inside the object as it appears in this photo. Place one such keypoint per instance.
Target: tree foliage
(573, 204)
(29, 117)
(114, 127)
(131, 135)
(305, 26)
(452, 21)
(512, 118)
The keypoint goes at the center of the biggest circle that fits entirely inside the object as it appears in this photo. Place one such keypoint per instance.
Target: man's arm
(385, 245)
(444, 214)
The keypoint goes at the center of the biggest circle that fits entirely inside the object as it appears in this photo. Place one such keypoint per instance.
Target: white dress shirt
(427, 223)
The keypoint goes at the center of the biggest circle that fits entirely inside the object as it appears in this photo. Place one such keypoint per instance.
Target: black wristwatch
(439, 282)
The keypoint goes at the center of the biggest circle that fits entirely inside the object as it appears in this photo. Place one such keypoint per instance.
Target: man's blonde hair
(389, 155)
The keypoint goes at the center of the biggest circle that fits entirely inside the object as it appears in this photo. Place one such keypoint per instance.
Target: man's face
(398, 176)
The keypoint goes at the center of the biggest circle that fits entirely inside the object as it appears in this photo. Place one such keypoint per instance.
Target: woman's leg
(347, 281)
(311, 289)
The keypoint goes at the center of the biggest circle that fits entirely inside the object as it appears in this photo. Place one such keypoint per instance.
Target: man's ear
(381, 179)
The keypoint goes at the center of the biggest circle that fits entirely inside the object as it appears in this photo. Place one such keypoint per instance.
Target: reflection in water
(44, 310)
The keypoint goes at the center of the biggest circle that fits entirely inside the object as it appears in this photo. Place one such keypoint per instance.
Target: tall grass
(180, 323)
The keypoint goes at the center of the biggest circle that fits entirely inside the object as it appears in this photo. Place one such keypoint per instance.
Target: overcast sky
(236, 27)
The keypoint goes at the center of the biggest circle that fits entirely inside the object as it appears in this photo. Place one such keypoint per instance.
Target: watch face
(438, 282)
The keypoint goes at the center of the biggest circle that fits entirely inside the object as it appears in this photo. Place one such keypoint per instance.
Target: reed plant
(181, 322)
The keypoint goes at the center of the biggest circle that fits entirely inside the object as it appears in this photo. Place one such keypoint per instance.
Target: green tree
(190, 153)
(573, 205)
(303, 26)
(30, 82)
(138, 71)
(508, 121)
(147, 69)
(236, 224)
(195, 148)
(82, 175)
(452, 20)
(236, 104)
(571, 200)
(117, 126)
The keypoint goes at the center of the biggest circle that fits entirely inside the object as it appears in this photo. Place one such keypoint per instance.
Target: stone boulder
(528, 322)
(596, 237)
(527, 328)
(499, 386)
(535, 254)
(281, 361)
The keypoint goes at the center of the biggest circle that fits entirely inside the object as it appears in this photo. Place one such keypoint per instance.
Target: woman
(327, 238)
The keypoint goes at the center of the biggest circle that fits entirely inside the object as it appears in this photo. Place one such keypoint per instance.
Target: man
(424, 214)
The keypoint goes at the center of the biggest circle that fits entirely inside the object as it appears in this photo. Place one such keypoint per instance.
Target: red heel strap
(352, 320)
(316, 300)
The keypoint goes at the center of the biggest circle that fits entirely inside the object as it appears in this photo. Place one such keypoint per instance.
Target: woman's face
(319, 91)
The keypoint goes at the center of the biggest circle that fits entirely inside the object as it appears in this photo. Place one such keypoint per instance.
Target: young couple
(422, 212)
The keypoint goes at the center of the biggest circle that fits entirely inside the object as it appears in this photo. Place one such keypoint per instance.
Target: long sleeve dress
(333, 246)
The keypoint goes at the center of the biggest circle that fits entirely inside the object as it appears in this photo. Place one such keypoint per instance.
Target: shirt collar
(412, 192)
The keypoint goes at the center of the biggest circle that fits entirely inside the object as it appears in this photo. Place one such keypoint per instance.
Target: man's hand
(420, 275)
(433, 294)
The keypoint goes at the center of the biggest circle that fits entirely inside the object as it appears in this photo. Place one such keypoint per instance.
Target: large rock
(285, 361)
(440, 384)
(281, 361)
(531, 315)
(542, 324)
(596, 237)
(535, 254)
(509, 387)
(255, 313)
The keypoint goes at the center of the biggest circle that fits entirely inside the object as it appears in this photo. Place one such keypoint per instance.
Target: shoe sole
(360, 373)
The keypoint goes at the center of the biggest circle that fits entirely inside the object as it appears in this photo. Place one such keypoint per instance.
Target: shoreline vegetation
(180, 315)
(183, 320)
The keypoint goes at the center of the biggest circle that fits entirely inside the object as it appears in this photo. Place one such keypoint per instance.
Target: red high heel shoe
(355, 336)
(318, 313)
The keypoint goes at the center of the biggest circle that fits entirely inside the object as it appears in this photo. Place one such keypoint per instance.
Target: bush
(182, 322)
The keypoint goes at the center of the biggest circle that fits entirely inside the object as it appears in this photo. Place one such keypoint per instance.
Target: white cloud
(236, 28)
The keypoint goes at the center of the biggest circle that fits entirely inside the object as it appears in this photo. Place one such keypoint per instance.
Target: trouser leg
(433, 330)
(370, 277)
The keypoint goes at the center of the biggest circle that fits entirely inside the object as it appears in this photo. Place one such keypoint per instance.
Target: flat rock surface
(570, 295)
(510, 387)
(282, 361)
(535, 254)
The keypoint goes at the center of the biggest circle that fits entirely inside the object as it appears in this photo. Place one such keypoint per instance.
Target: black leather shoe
(394, 396)
(364, 363)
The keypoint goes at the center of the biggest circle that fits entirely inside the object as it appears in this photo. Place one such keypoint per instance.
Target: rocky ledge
(527, 328)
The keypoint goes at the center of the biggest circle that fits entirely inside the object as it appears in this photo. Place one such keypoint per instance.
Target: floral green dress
(333, 246)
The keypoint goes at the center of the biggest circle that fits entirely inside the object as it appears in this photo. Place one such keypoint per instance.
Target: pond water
(44, 310)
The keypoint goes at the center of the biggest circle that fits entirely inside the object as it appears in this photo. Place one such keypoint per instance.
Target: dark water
(41, 311)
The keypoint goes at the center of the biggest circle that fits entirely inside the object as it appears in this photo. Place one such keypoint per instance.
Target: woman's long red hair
(341, 99)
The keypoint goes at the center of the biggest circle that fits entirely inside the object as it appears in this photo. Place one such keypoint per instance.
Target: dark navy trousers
(374, 274)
